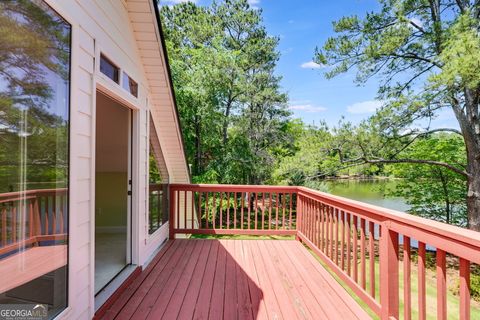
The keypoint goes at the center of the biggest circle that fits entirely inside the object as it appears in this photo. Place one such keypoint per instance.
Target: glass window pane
(130, 85)
(158, 180)
(158, 214)
(34, 163)
(108, 68)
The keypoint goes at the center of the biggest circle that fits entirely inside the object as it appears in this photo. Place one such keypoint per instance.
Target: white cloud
(254, 3)
(311, 65)
(291, 21)
(364, 107)
(307, 108)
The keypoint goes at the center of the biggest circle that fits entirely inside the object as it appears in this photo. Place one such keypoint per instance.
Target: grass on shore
(241, 237)
(453, 301)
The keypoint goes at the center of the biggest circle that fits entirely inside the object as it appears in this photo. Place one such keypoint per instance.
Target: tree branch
(416, 26)
(461, 5)
(413, 56)
(418, 161)
(425, 133)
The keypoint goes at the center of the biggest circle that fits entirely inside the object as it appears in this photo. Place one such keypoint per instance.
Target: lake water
(372, 192)
(369, 191)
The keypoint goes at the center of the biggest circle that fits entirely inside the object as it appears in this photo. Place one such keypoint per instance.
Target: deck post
(389, 293)
(171, 207)
(299, 216)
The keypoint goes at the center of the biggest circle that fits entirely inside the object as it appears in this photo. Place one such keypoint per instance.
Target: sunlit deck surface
(234, 279)
(30, 264)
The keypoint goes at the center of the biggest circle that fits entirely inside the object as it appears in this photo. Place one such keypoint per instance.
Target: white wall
(104, 26)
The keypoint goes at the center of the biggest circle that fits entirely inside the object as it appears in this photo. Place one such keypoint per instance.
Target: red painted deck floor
(235, 279)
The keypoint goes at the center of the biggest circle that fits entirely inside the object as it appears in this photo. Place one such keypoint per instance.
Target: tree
(193, 41)
(307, 160)
(433, 191)
(232, 110)
(427, 54)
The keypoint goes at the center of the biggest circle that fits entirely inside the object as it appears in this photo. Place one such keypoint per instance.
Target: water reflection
(369, 191)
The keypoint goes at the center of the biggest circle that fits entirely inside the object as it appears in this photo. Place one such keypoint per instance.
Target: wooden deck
(30, 264)
(234, 279)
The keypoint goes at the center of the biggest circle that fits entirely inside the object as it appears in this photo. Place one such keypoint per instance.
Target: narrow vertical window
(158, 184)
(34, 157)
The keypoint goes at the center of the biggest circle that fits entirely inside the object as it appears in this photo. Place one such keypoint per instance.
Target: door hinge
(129, 193)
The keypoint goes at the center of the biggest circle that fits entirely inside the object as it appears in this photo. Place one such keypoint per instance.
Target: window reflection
(130, 85)
(34, 120)
(109, 69)
(158, 214)
(158, 180)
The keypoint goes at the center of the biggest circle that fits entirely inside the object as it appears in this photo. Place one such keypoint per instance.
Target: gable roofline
(155, 4)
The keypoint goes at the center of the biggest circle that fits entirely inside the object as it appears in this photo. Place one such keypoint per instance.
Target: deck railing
(352, 238)
(158, 206)
(228, 209)
(31, 217)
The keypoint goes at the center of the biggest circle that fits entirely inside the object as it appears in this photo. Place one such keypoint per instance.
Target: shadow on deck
(234, 279)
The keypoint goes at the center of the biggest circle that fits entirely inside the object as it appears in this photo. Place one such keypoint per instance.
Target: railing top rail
(383, 214)
(17, 194)
(157, 186)
(232, 188)
(375, 213)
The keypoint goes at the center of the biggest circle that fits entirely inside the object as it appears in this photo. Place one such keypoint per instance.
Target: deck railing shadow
(192, 279)
(234, 263)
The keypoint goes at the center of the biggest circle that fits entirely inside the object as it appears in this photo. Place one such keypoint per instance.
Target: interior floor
(110, 257)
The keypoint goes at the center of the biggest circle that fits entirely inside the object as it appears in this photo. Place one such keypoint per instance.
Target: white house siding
(127, 33)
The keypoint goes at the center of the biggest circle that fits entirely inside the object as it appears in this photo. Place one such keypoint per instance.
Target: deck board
(202, 307)
(235, 279)
(187, 308)
(258, 303)
(218, 293)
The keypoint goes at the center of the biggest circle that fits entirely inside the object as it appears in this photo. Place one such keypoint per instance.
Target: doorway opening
(112, 190)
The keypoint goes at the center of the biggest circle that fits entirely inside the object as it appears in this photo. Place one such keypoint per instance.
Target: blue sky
(302, 25)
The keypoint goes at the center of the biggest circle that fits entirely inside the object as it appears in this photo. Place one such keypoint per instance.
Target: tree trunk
(470, 127)
(198, 147)
(445, 194)
(473, 190)
(226, 121)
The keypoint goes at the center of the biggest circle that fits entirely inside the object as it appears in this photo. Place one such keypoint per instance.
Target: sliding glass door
(112, 190)
(34, 157)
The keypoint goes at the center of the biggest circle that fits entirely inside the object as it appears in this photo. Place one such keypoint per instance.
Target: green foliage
(318, 152)
(475, 287)
(154, 175)
(233, 114)
(431, 191)
(427, 58)
(460, 56)
(308, 159)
